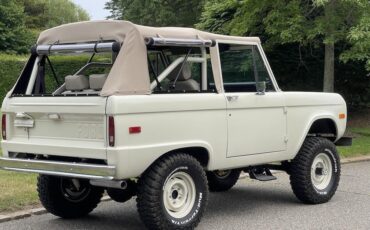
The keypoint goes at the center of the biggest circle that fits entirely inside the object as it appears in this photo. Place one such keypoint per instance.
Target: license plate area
(24, 123)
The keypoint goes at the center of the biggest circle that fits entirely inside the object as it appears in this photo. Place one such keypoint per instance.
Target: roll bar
(155, 41)
(99, 47)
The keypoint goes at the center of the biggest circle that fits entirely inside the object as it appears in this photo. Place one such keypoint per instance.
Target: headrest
(184, 75)
(97, 81)
(77, 82)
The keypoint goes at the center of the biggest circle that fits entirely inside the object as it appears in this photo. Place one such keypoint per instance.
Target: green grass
(360, 145)
(18, 191)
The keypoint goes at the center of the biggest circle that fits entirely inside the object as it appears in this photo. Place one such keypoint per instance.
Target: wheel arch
(201, 153)
(322, 127)
(318, 126)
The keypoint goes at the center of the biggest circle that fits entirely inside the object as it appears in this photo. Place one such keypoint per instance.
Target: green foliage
(294, 33)
(22, 20)
(359, 37)
(157, 12)
(10, 68)
(42, 14)
(13, 34)
(45, 14)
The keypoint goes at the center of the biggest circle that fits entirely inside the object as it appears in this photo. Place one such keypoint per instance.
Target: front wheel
(173, 193)
(315, 171)
(67, 197)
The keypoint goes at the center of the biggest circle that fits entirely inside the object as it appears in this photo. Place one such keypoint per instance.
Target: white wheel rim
(179, 194)
(321, 171)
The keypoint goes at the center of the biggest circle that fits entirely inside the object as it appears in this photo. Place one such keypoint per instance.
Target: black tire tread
(148, 198)
(300, 174)
(53, 201)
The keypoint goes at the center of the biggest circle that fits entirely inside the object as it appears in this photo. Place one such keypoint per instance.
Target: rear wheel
(67, 197)
(315, 171)
(222, 180)
(173, 193)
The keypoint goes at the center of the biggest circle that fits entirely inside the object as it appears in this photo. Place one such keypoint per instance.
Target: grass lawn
(360, 145)
(18, 190)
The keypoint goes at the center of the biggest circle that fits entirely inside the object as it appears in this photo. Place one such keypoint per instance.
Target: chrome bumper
(63, 169)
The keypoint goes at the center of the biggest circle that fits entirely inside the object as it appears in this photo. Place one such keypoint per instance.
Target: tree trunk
(329, 68)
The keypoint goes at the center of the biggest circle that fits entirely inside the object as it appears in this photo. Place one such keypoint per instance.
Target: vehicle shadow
(240, 201)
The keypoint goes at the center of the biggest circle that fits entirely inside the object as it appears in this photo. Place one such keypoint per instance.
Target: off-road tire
(52, 198)
(221, 184)
(300, 171)
(151, 187)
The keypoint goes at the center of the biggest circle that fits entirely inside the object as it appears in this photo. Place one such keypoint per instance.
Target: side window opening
(180, 70)
(242, 67)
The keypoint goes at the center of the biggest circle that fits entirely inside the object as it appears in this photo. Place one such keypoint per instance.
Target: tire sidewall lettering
(335, 170)
(198, 199)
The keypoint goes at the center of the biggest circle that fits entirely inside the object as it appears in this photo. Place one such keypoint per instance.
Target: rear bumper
(63, 169)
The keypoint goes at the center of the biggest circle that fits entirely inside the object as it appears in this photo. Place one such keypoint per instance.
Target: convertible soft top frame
(127, 76)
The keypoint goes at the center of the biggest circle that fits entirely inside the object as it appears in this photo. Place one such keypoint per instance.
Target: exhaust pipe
(120, 184)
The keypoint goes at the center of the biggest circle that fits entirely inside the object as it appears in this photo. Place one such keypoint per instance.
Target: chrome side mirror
(261, 87)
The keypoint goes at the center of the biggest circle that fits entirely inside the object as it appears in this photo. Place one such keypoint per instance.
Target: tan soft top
(129, 74)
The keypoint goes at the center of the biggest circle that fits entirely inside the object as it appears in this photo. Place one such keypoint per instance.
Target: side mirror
(261, 87)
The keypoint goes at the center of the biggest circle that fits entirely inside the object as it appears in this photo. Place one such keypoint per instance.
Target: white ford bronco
(163, 114)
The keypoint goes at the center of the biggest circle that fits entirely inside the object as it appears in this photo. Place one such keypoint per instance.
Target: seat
(76, 82)
(97, 81)
(184, 81)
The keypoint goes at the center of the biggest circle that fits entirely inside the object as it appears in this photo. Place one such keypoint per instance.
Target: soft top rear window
(69, 72)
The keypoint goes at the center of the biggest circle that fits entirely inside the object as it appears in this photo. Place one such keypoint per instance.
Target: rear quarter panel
(168, 122)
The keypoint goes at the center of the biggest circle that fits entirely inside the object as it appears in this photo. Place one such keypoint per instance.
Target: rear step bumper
(63, 169)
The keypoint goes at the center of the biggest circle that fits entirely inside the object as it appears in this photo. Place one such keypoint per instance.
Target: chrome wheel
(179, 194)
(321, 171)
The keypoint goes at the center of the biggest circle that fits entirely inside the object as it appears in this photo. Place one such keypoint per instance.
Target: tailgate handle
(54, 116)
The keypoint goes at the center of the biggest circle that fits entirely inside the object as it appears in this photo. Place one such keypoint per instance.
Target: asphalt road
(249, 205)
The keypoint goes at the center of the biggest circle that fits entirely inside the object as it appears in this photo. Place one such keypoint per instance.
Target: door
(256, 120)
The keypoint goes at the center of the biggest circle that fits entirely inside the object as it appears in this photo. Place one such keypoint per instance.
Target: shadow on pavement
(239, 201)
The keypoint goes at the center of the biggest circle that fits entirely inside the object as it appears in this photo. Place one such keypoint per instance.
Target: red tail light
(3, 126)
(111, 135)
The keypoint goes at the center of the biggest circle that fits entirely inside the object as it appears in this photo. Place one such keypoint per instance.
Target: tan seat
(76, 82)
(184, 81)
(97, 81)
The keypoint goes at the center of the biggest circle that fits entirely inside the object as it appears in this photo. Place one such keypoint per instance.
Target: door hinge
(285, 110)
(286, 139)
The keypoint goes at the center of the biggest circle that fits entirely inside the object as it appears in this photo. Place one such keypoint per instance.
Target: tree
(42, 14)
(315, 22)
(13, 34)
(157, 12)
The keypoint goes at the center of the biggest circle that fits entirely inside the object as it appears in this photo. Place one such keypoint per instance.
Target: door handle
(232, 98)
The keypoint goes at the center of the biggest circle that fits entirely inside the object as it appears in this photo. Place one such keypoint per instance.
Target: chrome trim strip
(77, 48)
(64, 169)
(156, 41)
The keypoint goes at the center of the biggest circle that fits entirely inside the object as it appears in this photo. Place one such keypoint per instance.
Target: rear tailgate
(61, 126)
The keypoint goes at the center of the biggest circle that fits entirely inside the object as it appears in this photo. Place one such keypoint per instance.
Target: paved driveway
(249, 205)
